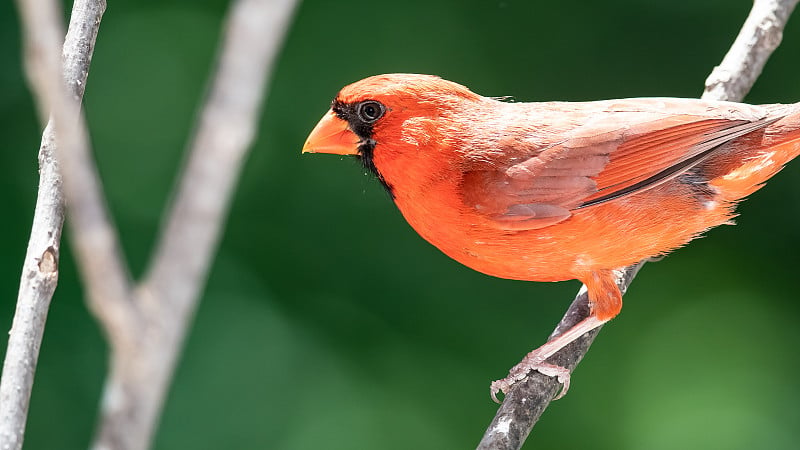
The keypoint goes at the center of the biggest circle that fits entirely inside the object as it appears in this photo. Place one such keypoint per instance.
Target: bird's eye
(370, 111)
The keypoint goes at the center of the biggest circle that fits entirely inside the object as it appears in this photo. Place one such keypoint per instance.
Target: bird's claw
(499, 386)
(520, 372)
(560, 373)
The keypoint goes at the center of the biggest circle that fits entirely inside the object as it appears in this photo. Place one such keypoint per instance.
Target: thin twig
(94, 238)
(731, 80)
(760, 35)
(40, 268)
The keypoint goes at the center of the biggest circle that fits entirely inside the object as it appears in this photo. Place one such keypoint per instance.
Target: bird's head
(395, 123)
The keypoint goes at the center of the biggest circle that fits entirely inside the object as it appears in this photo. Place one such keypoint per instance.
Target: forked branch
(145, 323)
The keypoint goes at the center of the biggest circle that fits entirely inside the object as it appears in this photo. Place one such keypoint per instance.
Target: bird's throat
(366, 154)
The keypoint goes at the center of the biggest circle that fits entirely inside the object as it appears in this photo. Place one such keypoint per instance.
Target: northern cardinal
(557, 190)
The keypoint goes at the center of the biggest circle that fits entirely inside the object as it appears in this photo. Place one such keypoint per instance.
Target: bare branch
(93, 236)
(760, 35)
(40, 269)
(227, 126)
(731, 80)
(168, 296)
(523, 405)
(37, 284)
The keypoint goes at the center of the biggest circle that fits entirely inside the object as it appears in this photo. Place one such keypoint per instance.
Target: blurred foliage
(328, 323)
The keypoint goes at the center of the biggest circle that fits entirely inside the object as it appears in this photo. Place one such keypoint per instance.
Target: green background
(328, 323)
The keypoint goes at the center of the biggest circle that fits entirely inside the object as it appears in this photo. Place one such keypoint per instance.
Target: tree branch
(167, 297)
(731, 80)
(528, 398)
(760, 35)
(40, 268)
(94, 238)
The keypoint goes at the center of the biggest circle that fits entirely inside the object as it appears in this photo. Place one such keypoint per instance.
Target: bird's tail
(755, 158)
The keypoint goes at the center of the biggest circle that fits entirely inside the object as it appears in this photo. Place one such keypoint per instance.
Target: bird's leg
(606, 302)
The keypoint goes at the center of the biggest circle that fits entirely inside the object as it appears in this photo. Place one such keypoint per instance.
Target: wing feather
(600, 160)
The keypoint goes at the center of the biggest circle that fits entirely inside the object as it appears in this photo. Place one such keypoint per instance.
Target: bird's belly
(607, 236)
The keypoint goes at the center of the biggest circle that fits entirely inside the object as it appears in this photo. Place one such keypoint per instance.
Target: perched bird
(557, 190)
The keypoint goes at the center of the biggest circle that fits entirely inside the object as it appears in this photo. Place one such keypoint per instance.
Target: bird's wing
(615, 154)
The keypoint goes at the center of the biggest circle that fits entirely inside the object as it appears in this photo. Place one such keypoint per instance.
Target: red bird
(556, 191)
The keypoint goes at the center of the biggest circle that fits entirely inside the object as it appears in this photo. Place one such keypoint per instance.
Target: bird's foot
(530, 363)
(535, 360)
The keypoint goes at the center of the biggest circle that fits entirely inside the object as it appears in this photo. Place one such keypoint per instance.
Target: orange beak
(331, 135)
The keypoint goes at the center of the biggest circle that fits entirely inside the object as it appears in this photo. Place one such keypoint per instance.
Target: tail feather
(758, 157)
